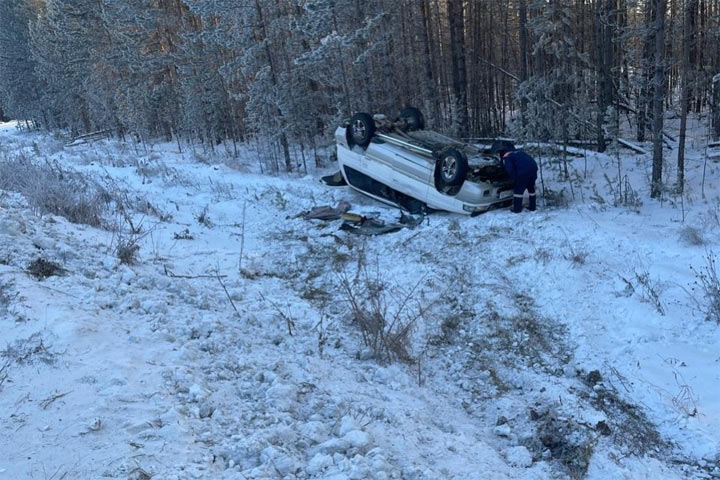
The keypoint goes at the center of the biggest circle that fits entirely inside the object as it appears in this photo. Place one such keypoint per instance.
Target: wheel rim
(449, 167)
(359, 130)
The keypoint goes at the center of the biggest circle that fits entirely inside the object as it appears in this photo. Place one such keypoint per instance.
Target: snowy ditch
(240, 341)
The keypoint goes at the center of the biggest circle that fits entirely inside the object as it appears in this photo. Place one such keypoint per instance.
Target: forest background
(284, 73)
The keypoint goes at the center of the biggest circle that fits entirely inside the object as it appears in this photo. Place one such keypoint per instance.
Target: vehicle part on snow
(413, 119)
(451, 169)
(362, 129)
(418, 170)
(326, 212)
(369, 226)
(334, 180)
(501, 146)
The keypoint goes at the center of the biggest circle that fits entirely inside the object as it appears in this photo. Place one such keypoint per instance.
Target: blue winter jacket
(519, 165)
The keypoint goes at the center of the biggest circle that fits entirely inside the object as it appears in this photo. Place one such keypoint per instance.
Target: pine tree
(19, 86)
(68, 39)
(558, 104)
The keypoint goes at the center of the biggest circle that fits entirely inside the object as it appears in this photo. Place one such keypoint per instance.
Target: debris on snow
(326, 212)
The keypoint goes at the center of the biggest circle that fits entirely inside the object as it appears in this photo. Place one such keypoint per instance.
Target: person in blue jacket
(522, 169)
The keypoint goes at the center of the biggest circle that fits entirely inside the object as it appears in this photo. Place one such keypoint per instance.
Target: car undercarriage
(401, 163)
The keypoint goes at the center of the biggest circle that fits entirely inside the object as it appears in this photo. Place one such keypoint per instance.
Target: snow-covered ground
(567, 343)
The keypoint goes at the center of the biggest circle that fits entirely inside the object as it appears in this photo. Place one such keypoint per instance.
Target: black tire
(361, 129)
(451, 169)
(413, 118)
(500, 147)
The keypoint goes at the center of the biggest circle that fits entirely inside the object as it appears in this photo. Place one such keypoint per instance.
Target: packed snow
(567, 343)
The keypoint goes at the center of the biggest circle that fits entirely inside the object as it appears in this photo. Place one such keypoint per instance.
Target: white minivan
(402, 164)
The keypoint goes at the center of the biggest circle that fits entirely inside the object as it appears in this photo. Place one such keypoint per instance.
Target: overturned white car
(400, 163)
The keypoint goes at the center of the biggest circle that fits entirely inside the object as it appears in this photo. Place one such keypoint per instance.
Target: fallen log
(88, 137)
(632, 146)
(572, 144)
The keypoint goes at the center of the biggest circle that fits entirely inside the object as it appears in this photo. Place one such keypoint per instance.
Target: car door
(412, 173)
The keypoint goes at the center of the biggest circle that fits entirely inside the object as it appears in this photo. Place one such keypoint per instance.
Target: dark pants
(522, 184)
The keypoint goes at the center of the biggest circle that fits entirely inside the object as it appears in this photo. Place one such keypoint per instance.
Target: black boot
(517, 204)
(532, 204)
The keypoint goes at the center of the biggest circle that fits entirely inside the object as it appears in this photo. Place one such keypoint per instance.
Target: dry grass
(577, 256)
(42, 269)
(8, 294)
(127, 249)
(627, 424)
(692, 236)
(203, 218)
(52, 189)
(26, 351)
(556, 199)
(623, 193)
(522, 340)
(385, 313)
(650, 290)
(542, 255)
(567, 442)
(707, 283)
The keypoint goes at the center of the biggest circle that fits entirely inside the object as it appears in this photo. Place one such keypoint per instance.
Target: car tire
(361, 129)
(413, 118)
(451, 169)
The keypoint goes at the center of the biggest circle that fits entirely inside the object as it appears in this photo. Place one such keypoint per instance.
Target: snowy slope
(567, 343)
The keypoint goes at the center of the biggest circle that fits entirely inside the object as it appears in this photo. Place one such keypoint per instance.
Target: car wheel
(451, 168)
(413, 118)
(361, 129)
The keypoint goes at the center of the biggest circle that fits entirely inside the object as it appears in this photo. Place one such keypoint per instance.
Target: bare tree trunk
(701, 53)
(427, 83)
(343, 70)
(386, 65)
(459, 74)
(658, 97)
(715, 86)
(643, 101)
(444, 81)
(498, 107)
(522, 17)
(716, 107)
(688, 37)
(273, 79)
(604, 26)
